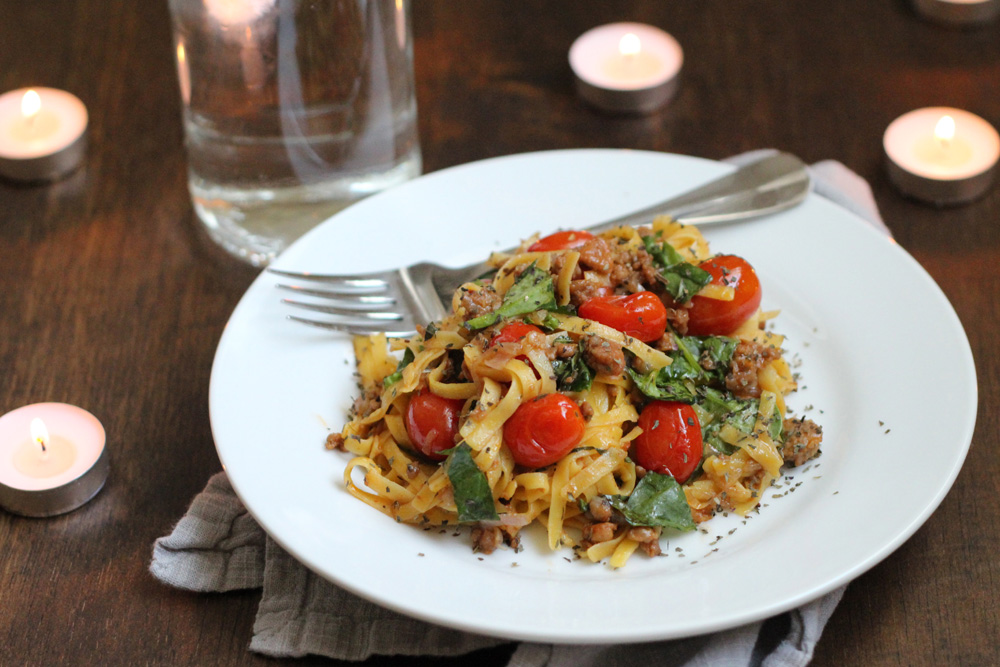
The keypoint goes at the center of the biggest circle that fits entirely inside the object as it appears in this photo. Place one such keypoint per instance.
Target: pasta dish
(609, 387)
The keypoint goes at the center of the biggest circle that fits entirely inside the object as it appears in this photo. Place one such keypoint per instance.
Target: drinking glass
(293, 110)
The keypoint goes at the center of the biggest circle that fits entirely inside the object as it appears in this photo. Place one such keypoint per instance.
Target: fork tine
(349, 301)
(359, 316)
(347, 283)
(355, 329)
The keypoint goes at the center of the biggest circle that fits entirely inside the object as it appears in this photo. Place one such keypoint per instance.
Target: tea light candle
(958, 12)
(43, 133)
(52, 459)
(941, 155)
(626, 67)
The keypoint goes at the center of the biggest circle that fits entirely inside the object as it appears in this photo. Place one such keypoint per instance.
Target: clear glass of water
(293, 110)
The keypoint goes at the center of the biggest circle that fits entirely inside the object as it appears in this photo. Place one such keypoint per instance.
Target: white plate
(875, 335)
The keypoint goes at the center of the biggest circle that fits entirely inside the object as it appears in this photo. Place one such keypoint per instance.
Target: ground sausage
(586, 288)
(600, 509)
(604, 356)
(335, 441)
(748, 359)
(596, 254)
(485, 539)
(599, 532)
(479, 302)
(802, 440)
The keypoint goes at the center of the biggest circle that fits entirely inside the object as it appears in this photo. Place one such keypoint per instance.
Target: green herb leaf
(430, 331)
(533, 290)
(679, 380)
(662, 386)
(398, 375)
(681, 279)
(658, 500)
(718, 409)
(573, 374)
(473, 497)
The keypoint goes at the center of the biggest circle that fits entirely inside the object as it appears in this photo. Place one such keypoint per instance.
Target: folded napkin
(217, 546)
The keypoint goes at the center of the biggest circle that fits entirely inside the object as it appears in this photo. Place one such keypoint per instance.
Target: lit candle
(959, 12)
(941, 155)
(626, 67)
(43, 133)
(52, 459)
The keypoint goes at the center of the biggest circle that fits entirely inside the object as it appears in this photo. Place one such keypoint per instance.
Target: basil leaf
(718, 409)
(719, 352)
(681, 279)
(573, 374)
(658, 500)
(660, 385)
(473, 497)
(398, 375)
(533, 290)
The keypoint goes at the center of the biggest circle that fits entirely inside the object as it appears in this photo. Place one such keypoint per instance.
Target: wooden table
(112, 299)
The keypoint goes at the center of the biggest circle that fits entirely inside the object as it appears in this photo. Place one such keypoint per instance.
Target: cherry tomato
(641, 315)
(432, 422)
(713, 317)
(560, 241)
(670, 442)
(513, 331)
(543, 430)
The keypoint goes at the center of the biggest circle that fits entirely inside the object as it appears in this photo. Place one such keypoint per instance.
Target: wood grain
(111, 298)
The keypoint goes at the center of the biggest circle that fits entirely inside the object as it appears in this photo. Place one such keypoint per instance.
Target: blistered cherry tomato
(670, 442)
(543, 430)
(560, 241)
(714, 317)
(432, 422)
(641, 315)
(513, 331)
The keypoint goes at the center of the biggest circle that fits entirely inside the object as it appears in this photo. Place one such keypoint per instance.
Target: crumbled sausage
(411, 470)
(678, 318)
(644, 534)
(586, 288)
(748, 359)
(335, 441)
(485, 539)
(587, 410)
(633, 269)
(367, 403)
(603, 355)
(598, 532)
(600, 509)
(650, 548)
(596, 254)
(564, 350)
(479, 302)
(802, 440)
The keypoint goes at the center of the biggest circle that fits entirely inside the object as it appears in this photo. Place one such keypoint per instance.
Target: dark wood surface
(112, 299)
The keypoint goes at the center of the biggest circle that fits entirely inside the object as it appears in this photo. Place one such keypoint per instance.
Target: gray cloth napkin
(217, 546)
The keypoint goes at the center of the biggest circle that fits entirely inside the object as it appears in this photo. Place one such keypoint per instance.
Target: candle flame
(39, 433)
(30, 104)
(944, 131)
(629, 44)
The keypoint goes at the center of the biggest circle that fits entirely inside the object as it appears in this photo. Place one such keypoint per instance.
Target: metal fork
(396, 301)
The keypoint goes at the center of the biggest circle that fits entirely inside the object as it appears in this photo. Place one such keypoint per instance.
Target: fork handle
(769, 185)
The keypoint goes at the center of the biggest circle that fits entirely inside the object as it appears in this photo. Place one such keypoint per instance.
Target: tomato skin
(514, 331)
(641, 315)
(561, 241)
(670, 442)
(712, 317)
(543, 430)
(432, 422)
